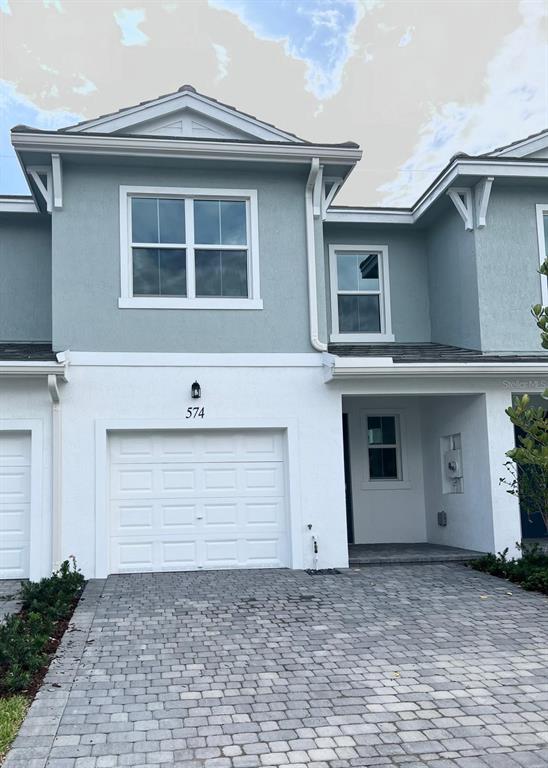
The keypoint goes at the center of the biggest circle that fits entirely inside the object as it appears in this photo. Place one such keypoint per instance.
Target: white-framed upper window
(542, 230)
(360, 299)
(189, 248)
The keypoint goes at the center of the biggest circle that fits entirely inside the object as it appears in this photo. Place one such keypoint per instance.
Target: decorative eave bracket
(331, 185)
(472, 206)
(49, 182)
(482, 194)
(41, 175)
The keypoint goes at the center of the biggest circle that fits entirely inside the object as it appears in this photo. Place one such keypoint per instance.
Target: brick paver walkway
(431, 665)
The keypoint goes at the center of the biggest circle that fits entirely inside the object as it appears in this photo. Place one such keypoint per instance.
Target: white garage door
(14, 504)
(197, 499)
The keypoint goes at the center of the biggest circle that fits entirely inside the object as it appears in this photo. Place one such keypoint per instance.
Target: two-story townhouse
(206, 363)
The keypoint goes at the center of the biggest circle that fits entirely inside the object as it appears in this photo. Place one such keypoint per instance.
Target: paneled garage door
(14, 504)
(197, 499)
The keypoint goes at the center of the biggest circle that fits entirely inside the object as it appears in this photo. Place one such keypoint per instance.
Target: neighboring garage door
(14, 504)
(197, 499)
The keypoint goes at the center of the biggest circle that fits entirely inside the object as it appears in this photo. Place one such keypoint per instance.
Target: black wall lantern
(196, 390)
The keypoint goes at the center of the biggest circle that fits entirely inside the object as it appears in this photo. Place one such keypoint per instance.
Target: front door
(348, 481)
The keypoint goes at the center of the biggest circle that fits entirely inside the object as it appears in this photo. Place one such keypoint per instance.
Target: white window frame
(191, 301)
(384, 295)
(542, 211)
(393, 484)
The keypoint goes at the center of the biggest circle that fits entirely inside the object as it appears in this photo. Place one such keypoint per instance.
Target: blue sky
(412, 81)
(318, 32)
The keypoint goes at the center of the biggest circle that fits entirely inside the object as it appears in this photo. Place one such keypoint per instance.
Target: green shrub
(24, 638)
(53, 596)
(530, 571)
(22, 649)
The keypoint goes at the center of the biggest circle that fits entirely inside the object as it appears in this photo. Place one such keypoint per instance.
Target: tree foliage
(529, 472)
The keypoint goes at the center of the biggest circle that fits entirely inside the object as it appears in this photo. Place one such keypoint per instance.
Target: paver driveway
(414, 665)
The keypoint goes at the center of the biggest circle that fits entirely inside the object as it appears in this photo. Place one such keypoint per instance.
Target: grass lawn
(12, 712)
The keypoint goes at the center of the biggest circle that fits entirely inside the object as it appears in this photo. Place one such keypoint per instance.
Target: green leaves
(529, 475)
(24, 638)
(531, 570)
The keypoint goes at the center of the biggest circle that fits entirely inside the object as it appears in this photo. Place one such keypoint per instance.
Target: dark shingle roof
(15, 350)
(429, 352)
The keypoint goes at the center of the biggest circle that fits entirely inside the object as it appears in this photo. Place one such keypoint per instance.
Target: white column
(500, 434)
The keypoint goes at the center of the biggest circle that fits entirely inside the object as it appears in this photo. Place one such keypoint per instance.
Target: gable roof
(169, 109)
(536, 142)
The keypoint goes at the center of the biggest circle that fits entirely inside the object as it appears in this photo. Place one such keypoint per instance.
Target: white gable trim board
(165, 106)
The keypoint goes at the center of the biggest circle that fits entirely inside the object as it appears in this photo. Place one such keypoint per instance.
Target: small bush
(53, 596)
(24, 638)
(530, 571)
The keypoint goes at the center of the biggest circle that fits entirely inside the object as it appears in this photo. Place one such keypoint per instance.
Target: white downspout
(311, 256)
(56, 521)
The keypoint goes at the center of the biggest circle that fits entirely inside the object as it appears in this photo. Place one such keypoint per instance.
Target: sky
(412, 81)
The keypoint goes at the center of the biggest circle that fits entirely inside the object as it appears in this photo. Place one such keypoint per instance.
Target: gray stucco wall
(86, 266)
(25, 277)
(408, 273)
(452, 281)
(508, 260)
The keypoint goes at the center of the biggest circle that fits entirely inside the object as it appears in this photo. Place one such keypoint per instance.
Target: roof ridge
(185, 88)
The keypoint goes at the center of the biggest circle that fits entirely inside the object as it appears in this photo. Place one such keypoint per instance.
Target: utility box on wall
(452, 472)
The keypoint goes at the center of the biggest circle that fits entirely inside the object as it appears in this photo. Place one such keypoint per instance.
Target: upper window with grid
(190, 251)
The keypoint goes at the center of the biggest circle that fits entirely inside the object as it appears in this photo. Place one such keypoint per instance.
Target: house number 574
(195, 412)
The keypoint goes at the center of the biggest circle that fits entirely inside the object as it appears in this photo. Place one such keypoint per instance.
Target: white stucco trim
(542, 210)
(385, 309)
(249, 196)
(31, 368)
(198, 360)
(35, 428)
(17, 205)
(355, 368)
(104, 426)
(147, 146)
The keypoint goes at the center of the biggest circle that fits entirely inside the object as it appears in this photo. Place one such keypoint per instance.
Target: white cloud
(85, 87)
(50, 93)
(5, 7)
(49, 69)
(223, 60)
(128, 19)
(317, 32)
(406, 38)
(53, 4)
(514, 106)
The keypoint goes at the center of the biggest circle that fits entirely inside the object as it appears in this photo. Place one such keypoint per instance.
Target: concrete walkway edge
(35, 739)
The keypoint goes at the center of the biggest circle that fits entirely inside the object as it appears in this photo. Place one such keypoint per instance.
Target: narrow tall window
(220, 254)
(158, 246)
(359, 291)
(383, 448)
(542, 232)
